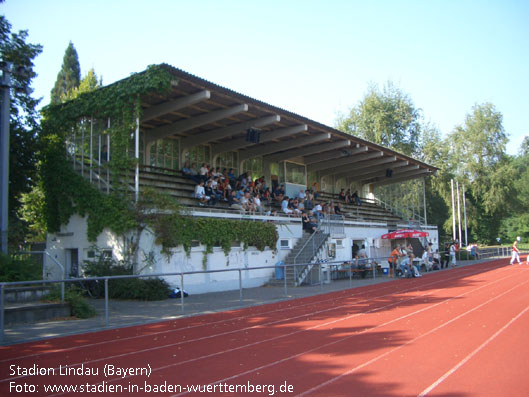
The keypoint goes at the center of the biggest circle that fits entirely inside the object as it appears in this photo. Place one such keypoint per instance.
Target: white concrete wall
(152, 261)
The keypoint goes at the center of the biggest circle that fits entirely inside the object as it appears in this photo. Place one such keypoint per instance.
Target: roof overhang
(200, 112)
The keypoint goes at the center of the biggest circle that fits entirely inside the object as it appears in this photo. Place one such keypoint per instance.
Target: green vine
(173, 230)
(68, 193)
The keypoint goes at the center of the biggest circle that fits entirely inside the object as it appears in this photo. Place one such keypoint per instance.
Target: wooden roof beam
(262, 150)
(307, 151)
(347, 160)
(266, 136)
(215, 134)
(194, 122)
(172, 106)
(422, 173)
(359, 166)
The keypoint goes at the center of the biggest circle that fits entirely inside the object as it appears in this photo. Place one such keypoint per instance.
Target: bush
(13, 269)
(148, 289)
(74, 297)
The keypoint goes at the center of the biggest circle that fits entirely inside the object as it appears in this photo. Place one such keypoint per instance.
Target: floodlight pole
(5, 86)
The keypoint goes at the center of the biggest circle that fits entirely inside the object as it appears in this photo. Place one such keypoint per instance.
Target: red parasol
(407, 233)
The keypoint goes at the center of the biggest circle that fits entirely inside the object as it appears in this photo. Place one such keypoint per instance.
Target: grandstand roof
(200, 112)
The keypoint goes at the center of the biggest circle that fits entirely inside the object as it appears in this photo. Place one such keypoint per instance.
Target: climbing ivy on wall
(68, 193)
(173, 230)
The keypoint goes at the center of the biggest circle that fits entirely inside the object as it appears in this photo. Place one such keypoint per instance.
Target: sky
(314, 58)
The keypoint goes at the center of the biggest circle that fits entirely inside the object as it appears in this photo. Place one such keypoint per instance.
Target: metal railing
(325, 270)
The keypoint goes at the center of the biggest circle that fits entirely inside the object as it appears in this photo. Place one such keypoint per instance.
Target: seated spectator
(267, 196)
(204, 170)
(318, 211)
(284, 206)
(308, 225)
(247, 203)
(338, 209)
(356, 199)
(200, 194)
(341, 195)
(348, 196)
(278, 194)
(234, 202)
(301, 195)
(213, 198)
(257, 202)
(188, 172)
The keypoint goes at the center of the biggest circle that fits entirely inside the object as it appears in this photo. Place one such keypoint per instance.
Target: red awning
(407, 233)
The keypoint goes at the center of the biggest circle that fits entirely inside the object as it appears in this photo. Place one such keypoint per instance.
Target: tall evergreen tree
(69, 76)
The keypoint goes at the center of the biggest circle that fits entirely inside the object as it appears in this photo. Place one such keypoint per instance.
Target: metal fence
(323, 273)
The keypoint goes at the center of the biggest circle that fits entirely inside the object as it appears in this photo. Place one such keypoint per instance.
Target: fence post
(285, 278)
(106, 301)
(1, 313)
(321, 277)
(182, 291)
(240, 287)
(351, 275)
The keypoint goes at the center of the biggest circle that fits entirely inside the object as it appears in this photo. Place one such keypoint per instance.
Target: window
(165, 154)
(198, 155)
(284, 243)
(255, 167)
(295, 173)
(227, 160)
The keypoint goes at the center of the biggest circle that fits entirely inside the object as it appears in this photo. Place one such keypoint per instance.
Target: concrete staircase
(302, 254)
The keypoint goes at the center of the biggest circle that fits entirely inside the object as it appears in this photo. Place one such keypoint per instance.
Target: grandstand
(197, 121)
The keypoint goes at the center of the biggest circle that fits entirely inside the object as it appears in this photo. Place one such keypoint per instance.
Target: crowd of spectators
(252, 195)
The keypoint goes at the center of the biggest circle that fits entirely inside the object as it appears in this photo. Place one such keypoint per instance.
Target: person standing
(515, 252)
(453, 250)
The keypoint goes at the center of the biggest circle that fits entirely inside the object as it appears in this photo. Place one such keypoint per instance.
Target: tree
(69, 76)
(388, 118)
(477, 152)
(24, 121)
(87, 84)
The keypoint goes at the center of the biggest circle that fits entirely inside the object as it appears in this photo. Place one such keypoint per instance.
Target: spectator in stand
(356, 199)
(284, 206)
(301, 195)
(204, 171)
(234, 202)
(257, 203)
(426, 260)
(267, 196)
(315, 190)
(278, 194)
(211, 192)
(338, 209)
(341, 195)
(318, 211)
(247, 203)
(308, 200)
(347, 196)
(308, 225)
(200, 194)
(190, 173)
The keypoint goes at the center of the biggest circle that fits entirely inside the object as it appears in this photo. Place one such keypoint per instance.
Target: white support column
(465, 216)
(453, 211)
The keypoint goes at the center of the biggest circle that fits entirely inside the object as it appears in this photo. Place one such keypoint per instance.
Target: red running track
(461, 332)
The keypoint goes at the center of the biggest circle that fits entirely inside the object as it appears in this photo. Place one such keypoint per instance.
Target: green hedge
(19, 269)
